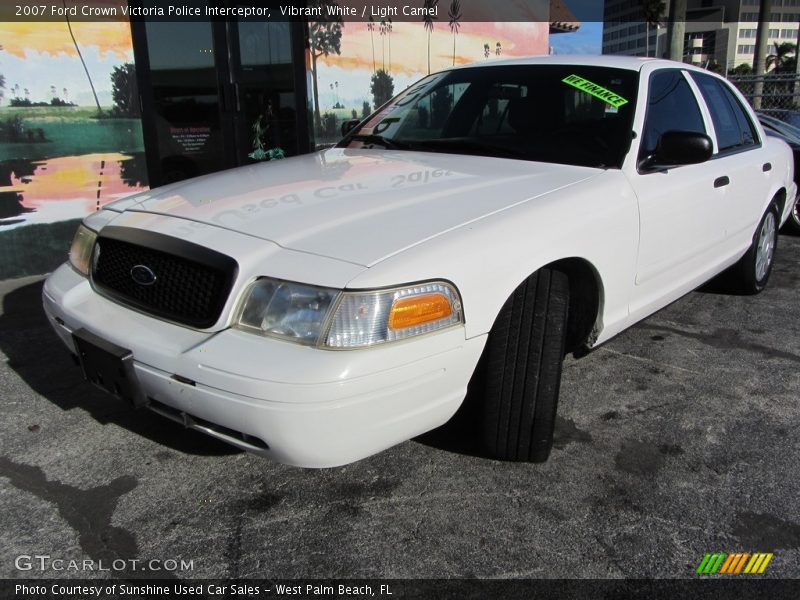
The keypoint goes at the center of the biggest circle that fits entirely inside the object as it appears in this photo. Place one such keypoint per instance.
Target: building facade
(717, 31)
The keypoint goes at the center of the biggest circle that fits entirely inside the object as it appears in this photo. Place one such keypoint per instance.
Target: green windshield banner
(595, 90)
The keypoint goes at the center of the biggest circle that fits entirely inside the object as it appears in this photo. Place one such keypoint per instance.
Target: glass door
(185, 113)
(263, 73)
(216, 95)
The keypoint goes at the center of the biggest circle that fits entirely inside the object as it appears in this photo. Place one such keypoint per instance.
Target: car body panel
(357, 205)
(373, 219)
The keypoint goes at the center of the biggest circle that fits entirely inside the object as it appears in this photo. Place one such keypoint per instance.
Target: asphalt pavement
(677, 438)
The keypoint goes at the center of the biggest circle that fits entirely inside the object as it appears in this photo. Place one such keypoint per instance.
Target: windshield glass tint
(566, 114)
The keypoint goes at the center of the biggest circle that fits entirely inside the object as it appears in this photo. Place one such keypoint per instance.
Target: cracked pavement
(677, 438)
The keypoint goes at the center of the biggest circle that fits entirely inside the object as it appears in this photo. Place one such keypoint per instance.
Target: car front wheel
(756, 265)
(525, 352)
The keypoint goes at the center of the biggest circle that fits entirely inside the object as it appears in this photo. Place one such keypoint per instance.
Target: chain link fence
(777, 94)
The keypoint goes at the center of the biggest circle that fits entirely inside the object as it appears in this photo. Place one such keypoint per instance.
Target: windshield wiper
(372, 138)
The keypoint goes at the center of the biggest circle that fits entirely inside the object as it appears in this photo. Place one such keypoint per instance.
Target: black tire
(792, 224)
(756, 265)
(524, 355)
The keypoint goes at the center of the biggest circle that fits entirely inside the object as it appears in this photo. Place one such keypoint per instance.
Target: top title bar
(441, 11)
(433, 12)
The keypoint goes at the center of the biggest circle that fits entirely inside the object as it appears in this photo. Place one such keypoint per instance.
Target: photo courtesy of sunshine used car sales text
(188, 590)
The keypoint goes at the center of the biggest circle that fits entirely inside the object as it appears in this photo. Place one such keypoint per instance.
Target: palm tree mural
(430, 7)
(2, 81)
(389, 41)
(325, 37)
(455, 22)
(385, 30)
(83, 62)
(371, 29)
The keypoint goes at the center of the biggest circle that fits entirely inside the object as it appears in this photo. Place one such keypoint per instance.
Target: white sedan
(319, 309)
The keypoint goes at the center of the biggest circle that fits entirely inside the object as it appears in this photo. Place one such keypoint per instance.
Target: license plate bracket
(109, 367)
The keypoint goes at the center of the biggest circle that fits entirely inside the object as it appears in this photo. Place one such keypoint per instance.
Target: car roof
(631, 63)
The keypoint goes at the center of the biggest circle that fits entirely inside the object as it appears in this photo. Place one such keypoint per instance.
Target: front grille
(183, 282)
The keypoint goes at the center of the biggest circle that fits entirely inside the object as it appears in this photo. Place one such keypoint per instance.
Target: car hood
(359, 206)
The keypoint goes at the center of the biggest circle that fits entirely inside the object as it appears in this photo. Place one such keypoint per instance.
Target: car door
(739, 152)
(679, 207)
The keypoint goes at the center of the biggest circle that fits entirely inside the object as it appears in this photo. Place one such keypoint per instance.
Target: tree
(455, 22)
(653, 15)
(124, 91)
(365, 110)
(371, 29)
(325, 38)
(385, 30)
(2, 83)
(80, 56)
(782, 58)
(742, 69)
(429, 8)
(382, 87)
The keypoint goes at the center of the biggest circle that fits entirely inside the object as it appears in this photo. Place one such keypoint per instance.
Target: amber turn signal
(418, 310)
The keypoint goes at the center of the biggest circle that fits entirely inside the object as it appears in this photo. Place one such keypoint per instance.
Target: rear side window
(671, 106)
(733, 126)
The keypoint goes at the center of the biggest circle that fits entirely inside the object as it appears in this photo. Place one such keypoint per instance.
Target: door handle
(766, 167)
(721, 181)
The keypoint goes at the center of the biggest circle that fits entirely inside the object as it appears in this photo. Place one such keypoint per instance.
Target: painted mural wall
(70, 134)
(358, 66)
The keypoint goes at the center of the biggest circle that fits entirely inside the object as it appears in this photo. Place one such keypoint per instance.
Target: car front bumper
(293, 404)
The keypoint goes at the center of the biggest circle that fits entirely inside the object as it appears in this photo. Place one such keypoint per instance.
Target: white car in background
(322, 308)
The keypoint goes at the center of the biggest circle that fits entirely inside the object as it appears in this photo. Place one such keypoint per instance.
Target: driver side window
(671, 106)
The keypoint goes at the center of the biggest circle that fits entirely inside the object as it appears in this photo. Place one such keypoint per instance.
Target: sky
(404, 54)
(589, 38)
(38, 55)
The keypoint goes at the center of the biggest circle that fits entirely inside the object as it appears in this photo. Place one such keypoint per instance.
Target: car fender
(596, 221)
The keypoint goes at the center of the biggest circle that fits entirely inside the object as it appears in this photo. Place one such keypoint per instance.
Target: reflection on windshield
(567, 114)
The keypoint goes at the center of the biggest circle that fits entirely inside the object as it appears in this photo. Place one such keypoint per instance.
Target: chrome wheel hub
(765, 247)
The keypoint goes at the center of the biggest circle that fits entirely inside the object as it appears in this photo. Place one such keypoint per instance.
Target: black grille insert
(162, 275)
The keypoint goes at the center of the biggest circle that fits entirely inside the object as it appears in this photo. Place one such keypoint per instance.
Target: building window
(750, 17)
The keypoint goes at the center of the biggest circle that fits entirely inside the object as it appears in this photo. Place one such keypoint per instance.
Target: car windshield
(568, 114)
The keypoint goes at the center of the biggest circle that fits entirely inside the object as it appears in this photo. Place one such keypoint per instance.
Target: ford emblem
(143, 275)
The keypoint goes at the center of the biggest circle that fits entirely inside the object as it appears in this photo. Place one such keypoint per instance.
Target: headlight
(368, 318)
(80, 253)
(286, 310)
(345, 320)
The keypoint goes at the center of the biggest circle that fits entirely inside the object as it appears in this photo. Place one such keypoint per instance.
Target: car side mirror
(349, 125)
(677, 148)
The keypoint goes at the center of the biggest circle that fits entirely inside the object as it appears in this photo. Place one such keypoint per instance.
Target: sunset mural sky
(404, 53)
(37, 55)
